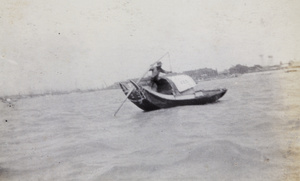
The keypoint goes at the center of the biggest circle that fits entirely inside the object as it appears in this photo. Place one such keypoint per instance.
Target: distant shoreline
(12, 98)
(200, 78)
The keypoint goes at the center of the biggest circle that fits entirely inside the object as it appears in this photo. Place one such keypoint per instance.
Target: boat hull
(205, 98)
(148, 100)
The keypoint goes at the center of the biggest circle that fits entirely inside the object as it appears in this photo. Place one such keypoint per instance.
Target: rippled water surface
(252, 133)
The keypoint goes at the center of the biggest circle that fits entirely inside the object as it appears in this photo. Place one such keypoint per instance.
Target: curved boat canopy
(175, 84)
(182, 82)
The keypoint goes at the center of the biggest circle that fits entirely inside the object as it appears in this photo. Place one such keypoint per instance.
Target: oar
(137, 83)
(133, 89)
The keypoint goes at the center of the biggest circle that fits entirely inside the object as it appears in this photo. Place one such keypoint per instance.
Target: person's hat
(159, 63)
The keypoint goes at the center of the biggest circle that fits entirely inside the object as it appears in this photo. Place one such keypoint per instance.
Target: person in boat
(155, 73)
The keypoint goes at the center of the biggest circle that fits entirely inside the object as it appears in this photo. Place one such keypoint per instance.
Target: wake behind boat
(171, 91)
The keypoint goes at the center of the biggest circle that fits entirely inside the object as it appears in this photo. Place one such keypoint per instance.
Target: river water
(252, 133)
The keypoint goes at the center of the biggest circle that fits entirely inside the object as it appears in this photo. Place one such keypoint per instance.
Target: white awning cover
(182, 82)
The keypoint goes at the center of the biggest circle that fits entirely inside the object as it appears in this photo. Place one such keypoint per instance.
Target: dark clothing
(155, 73)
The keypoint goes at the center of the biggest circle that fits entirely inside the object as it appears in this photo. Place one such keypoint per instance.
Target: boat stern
(137, 97)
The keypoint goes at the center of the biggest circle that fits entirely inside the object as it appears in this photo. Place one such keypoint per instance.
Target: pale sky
(69, 44)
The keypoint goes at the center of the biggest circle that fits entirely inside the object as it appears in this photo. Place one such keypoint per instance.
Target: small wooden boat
(170, 91)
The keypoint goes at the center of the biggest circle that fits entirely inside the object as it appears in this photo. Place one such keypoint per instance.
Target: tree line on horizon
(207, 73)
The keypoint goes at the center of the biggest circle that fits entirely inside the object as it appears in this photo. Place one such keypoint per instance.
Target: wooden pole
(137, 83)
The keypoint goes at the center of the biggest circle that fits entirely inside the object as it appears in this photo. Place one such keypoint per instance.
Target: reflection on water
(252, 133)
